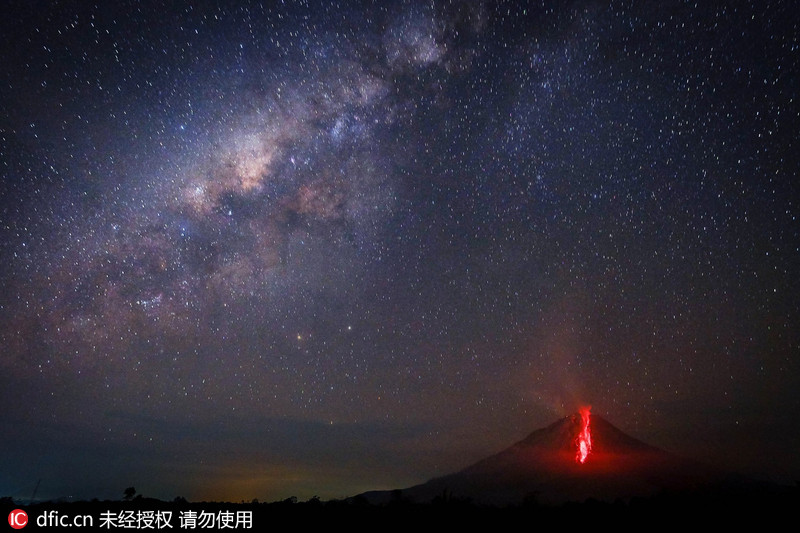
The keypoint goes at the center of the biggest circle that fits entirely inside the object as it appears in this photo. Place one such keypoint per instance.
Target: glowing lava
(584, 439)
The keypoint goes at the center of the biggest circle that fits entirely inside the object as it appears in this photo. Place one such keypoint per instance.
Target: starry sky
(273, 249)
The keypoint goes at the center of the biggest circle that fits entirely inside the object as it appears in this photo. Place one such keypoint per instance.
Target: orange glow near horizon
(584, 439)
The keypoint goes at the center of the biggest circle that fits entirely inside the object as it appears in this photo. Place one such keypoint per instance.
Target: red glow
(584, 437)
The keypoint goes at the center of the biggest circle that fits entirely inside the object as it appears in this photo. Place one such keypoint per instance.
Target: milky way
(317, 248)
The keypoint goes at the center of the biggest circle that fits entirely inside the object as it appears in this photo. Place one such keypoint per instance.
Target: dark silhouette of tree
(130, 492)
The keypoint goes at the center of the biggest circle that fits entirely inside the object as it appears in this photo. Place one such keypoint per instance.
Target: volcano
(569, 462)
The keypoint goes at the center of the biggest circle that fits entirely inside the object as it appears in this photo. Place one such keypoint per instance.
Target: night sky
(262, 250)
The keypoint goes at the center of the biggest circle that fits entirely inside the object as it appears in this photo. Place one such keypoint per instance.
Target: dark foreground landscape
(768, 507)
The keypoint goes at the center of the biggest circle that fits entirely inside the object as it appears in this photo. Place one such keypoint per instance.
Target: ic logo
(18, 519)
